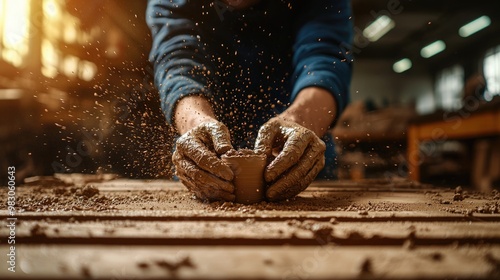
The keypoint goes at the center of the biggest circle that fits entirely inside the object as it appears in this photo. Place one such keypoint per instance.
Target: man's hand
(198, 164)
(300, 158)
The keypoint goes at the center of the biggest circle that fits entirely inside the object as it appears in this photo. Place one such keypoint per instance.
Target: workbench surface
(79, 226)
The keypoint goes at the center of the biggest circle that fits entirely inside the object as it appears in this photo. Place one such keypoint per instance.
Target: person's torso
(252, 49)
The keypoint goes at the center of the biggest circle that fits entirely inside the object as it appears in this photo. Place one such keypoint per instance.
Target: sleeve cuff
(178, 88)
(331, 83)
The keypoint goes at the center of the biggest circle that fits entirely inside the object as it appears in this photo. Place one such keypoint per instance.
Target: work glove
(300, 157)
(198, 164)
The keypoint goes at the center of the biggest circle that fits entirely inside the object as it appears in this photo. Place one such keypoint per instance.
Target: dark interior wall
(374, 79)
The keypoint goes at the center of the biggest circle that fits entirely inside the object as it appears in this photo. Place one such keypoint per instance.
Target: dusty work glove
(198, 164)
(301, 157)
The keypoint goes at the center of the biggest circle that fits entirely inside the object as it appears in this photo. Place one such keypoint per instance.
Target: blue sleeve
(321, 57)
(179, 55)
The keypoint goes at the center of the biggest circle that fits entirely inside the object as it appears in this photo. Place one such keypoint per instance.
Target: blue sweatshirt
(251, 63)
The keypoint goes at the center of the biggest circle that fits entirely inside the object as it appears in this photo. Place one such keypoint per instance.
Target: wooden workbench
(83, 228)
(475, 123)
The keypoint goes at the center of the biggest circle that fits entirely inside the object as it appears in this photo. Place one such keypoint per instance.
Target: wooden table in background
(367, 144)
(459, 125)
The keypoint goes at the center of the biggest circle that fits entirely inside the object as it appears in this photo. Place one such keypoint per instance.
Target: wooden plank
(126, 185)
(413, 153)
(149, 201)
(255, 262)
(250, 231)
(194, 215)
(474, 125)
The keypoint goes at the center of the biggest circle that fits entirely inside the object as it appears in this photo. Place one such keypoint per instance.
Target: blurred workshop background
(76, 92)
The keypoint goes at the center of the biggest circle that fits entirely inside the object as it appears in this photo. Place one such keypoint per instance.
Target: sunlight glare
(15, 29)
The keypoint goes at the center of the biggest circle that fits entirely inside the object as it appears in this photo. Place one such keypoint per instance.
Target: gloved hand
(301, 157)
(198, 164)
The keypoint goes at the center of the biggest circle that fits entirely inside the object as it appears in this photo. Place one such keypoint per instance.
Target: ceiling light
(474, 26)
(402, 65)
(378, 28)
(433, 49)
(10, 94)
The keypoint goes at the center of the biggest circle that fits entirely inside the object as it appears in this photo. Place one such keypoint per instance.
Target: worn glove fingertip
(271, 194)
(221, 149)
(226, 173)
(271, 173)
(270, 176)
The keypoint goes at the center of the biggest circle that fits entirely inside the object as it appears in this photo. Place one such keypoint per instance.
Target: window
(2, 11)
(492, 73)
(14, 31)
(426, 103)
(61, 28)
(449, 85)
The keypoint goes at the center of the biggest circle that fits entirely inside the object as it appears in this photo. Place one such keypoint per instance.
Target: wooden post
(34, 58)
(480, 178)
(413, 153)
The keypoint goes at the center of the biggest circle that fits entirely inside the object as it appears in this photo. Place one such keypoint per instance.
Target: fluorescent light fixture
(474, 26)
(433, 49)
(402, 65)
(378, 28)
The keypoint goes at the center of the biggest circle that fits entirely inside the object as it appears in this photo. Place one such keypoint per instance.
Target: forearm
(314, 108)
(321, 63)
(192, 111)
(181, 54)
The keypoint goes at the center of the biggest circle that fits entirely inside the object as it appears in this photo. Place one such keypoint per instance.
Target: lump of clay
(248, 168)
